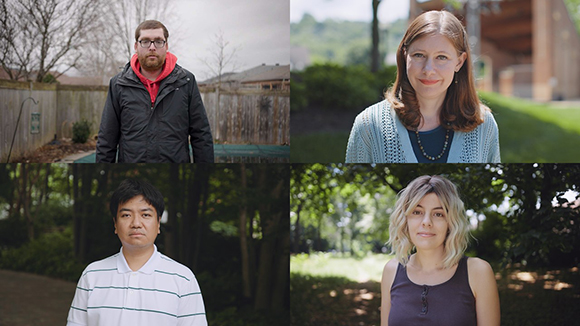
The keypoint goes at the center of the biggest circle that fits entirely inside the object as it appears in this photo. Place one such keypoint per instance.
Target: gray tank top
(448, 303)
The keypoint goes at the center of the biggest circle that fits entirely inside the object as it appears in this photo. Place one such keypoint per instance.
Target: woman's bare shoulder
(478, 266)
(390, 269)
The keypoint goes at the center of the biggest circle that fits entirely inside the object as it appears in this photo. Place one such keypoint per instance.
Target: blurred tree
(375, 57)
(39, 36)
(518, 210)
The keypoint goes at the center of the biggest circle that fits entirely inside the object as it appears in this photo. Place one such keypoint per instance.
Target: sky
(260, 29)
(354, 10)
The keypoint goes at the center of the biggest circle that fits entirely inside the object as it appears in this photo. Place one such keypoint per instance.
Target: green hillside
(343, 42)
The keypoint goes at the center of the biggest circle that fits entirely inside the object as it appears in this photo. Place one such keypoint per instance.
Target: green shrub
(336, 87)
(52, 254)
(81, 131)
(298, 100)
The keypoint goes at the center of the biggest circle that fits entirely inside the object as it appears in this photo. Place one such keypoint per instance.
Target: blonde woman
(431, 282)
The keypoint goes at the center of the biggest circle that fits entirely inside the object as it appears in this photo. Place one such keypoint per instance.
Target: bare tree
(113, 40)
(42, 35)
(222, 57)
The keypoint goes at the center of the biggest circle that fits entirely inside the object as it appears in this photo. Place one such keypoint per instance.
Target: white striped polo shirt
(162, 292)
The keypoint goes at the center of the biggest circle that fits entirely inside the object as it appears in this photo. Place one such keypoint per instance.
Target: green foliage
(81, 131)
(319, 147)
(13, 232)
(49, 79)
(297, 94)
(574, 11)
(343, 42)
(349, 206)
(336, 87)
(51, 254)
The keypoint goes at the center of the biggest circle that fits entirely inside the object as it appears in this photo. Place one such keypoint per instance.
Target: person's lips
(429, 81)
(426, 234)
(136, 234)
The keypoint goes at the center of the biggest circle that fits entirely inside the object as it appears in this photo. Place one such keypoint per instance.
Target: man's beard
(150, 63)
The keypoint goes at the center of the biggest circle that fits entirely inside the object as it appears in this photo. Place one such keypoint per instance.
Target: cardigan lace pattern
(378, 136)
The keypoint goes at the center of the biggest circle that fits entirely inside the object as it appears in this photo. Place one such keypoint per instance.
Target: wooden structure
(529, 48)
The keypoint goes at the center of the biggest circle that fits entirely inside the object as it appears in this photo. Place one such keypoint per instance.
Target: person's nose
(428, 67)
(136, 222)
(427, 220)
(152, 47)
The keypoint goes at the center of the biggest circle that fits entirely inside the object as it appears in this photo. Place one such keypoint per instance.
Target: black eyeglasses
(146, 43)
(424, 299)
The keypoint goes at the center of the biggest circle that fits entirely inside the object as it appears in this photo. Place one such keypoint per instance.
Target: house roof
(256, 74)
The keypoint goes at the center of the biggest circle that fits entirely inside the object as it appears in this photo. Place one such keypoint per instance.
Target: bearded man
(154, 109)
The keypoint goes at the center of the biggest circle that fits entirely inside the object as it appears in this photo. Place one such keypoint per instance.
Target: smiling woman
(432, 113)
(437, 284)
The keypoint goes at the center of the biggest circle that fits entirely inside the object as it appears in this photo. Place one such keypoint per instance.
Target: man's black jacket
(154, 134)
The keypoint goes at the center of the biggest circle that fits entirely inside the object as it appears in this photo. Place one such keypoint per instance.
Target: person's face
(151, 58)
(432, 61)
(137, 223)
(427, 224)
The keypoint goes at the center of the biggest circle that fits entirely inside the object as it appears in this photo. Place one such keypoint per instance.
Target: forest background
(525, 221)
(227, 223)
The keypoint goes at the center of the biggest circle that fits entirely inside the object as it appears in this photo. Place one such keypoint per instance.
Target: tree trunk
(271, 222)
(280, 293)
(188, 222)
(200, 223)
(172, 225)
(77, 210)
(86, 180)
(244, 235)
(375, 57)
(26, 202)
(297, 229)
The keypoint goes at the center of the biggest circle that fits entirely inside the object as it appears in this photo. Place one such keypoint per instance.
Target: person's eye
(418, 55)
(125, 215)
(439, 214)
(416, 212)
(442, 57)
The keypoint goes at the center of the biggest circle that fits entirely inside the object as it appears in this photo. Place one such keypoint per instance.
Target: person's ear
(462, 58)
(135, 46)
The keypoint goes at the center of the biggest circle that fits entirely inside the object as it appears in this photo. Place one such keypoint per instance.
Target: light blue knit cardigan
(378, 136)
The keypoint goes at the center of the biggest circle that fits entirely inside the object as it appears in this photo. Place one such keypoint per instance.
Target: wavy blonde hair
(458, 226)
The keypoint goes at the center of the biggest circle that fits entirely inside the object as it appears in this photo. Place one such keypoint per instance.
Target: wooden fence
(243, 117)
(248, 116)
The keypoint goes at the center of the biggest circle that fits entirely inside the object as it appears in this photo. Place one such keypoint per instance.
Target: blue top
(433, 141)
(449, 303)
(378, 136)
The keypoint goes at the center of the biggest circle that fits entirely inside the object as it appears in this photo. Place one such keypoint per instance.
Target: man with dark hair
(139, 285)
(154, 107)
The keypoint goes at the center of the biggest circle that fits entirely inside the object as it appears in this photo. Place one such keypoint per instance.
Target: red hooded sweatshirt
(153, 86)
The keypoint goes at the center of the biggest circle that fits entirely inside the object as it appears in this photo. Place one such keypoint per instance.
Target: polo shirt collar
(148, 268)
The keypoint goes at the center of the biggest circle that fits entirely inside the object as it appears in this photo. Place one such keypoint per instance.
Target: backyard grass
(319, 147)
(533, 132)
(331, 290)
(529, 133)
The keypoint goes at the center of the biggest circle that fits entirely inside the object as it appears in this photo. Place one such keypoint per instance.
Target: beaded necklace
(429, 157)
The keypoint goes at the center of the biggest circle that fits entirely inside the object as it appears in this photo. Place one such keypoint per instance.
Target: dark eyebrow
(128, 210)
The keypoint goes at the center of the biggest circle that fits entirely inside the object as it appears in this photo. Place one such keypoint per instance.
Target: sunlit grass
(368, 268)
